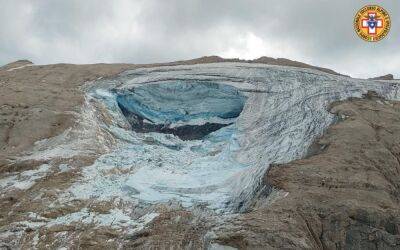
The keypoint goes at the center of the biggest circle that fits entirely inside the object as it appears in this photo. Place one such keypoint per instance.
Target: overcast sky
(319, 32)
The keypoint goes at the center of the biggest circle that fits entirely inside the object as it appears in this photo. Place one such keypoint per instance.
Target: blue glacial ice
(260, 114)
(155, 165)
(182, 101)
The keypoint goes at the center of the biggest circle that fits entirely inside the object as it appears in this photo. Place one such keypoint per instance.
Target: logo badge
(372, 23)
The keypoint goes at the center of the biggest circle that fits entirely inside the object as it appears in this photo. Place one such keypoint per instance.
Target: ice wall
(188, 110)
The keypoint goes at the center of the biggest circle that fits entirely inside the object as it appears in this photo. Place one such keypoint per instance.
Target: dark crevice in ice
(185, 132)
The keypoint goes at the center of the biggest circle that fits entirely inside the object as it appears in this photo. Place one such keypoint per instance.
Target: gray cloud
(142, 31)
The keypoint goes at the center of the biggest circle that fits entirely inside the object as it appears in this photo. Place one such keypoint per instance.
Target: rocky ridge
(384, 77)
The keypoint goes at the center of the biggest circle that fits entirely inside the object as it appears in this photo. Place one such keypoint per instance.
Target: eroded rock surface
(39, 102)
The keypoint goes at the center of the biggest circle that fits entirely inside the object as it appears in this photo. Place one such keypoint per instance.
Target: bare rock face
(38, 102)
(345, 197)
(385, 77)
(16, 65)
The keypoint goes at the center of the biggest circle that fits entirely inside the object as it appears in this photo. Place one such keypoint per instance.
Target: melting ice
(207, 133)
(181, 144)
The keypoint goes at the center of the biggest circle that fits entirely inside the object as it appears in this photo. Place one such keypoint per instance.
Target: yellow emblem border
(386, 23)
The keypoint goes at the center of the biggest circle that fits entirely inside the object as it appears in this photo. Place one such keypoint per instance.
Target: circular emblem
(372, 23)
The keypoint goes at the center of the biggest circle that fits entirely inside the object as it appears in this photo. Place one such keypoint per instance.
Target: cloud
(143, 31)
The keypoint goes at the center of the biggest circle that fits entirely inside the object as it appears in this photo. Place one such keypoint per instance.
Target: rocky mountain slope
(221, 154)
(385, 77)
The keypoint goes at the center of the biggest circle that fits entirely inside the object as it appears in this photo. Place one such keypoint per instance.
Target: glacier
(201, 135)
(180, 146)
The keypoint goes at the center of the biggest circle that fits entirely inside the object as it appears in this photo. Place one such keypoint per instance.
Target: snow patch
(23, 180)
(115, 219)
